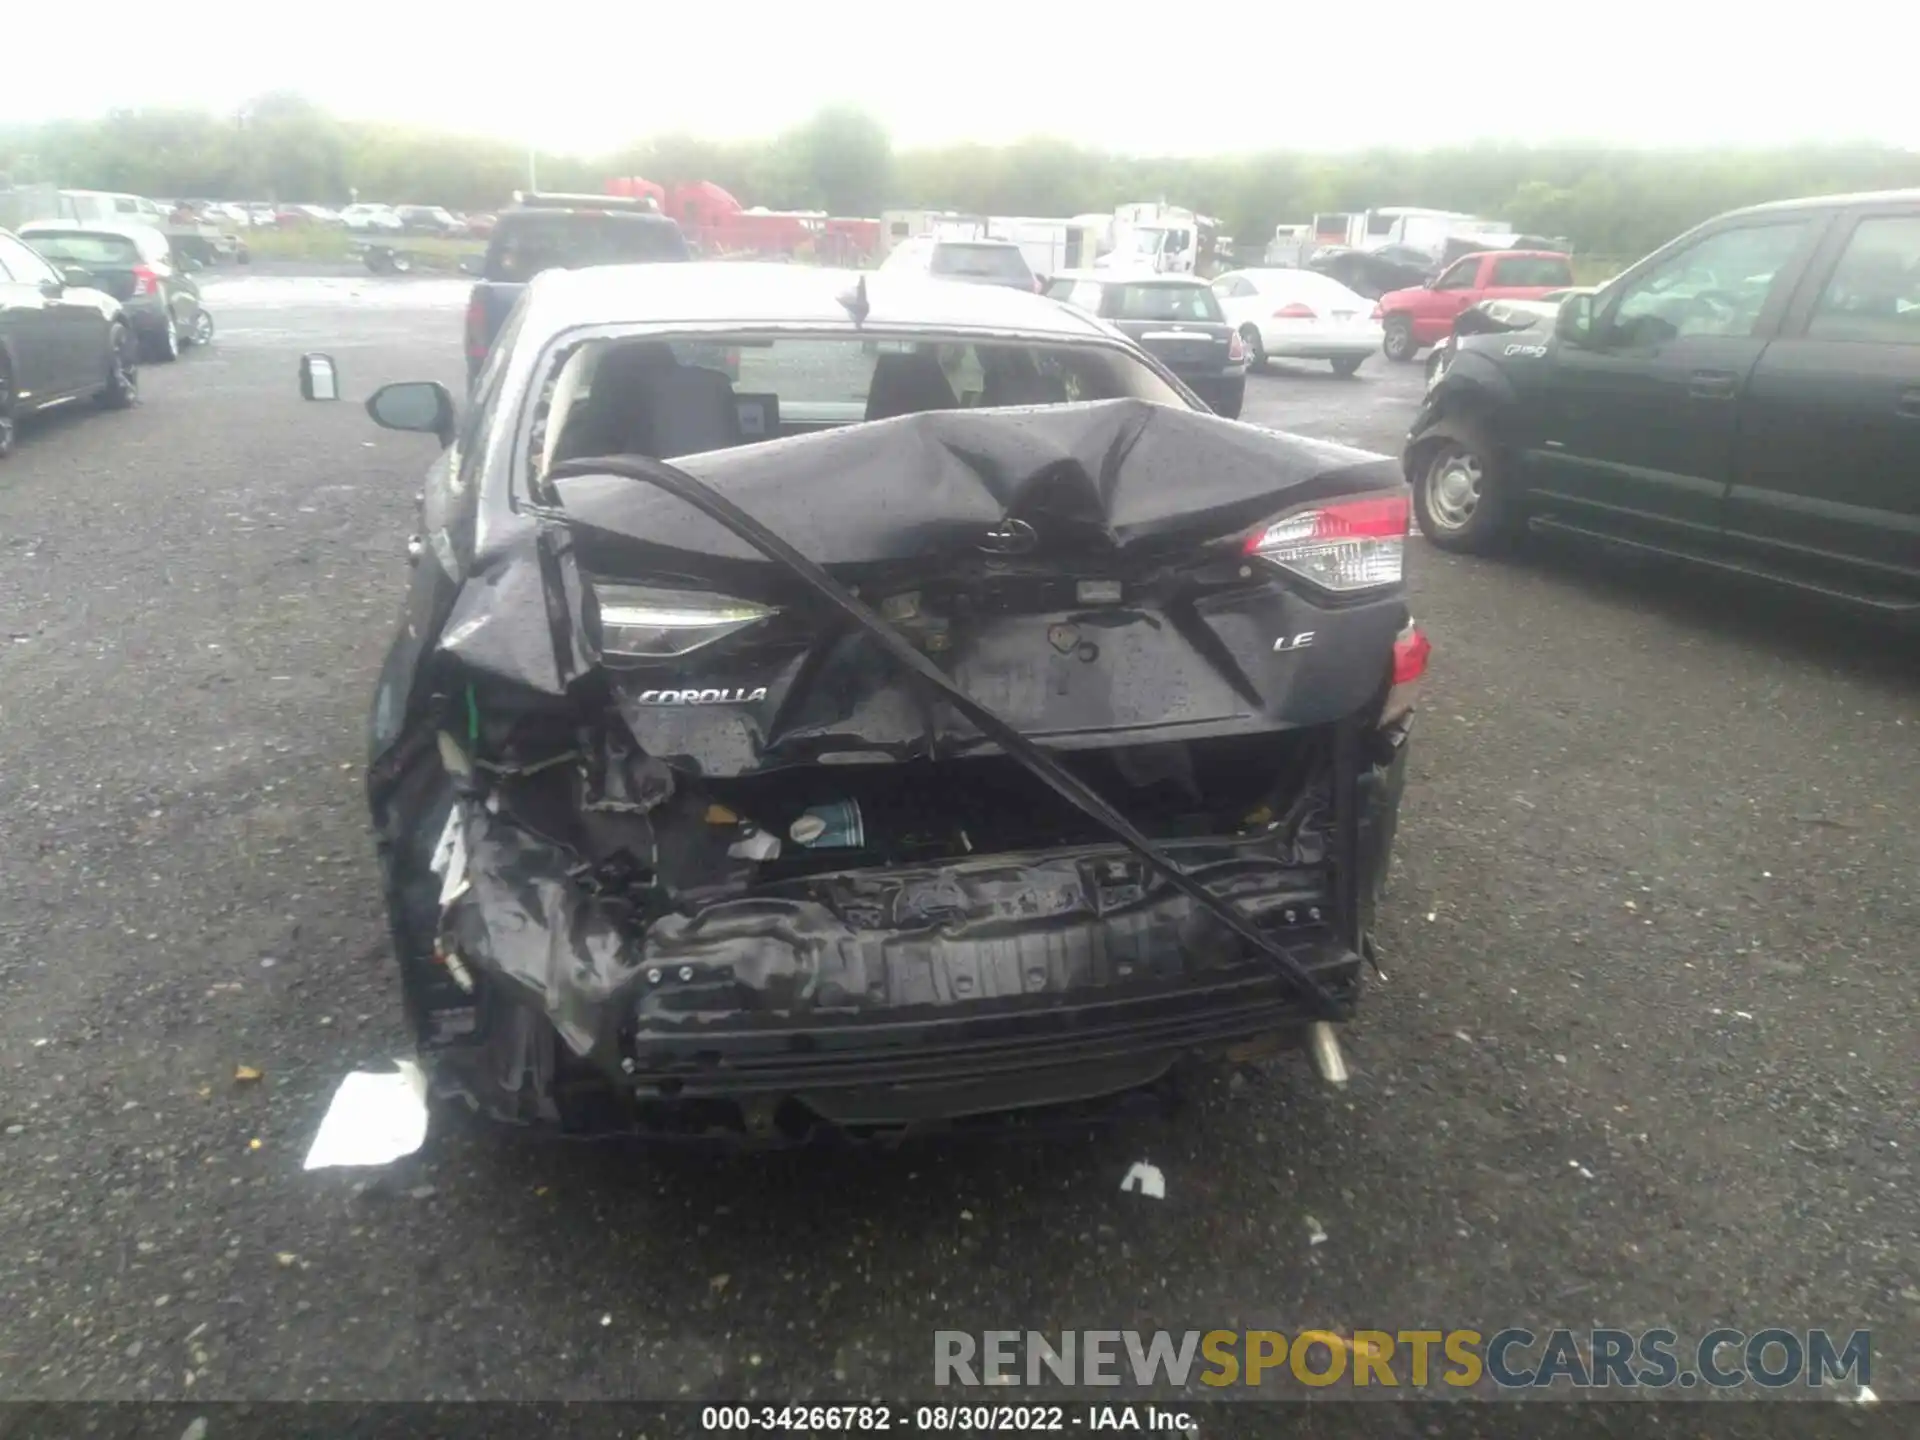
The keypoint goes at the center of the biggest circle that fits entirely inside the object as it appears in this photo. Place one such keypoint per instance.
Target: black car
(549, 231)
(143, 270)
(1747, 397)
(61, 340)
(1177, 319)
(919, 745)
(1373, 273)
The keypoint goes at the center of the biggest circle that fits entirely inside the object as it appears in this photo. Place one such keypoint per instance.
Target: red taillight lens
(1294, 312)
(1236, 349)
(145, 282)
(1345, 546)
(476, 328)
(1411, 652)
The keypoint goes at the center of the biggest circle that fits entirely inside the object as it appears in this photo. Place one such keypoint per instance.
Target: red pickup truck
(1415, 319)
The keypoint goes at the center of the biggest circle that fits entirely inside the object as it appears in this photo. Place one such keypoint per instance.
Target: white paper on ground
(374, 1119)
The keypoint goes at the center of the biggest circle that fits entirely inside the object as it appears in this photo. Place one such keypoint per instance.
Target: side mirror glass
(425, 406)
(319, 380)
(1574, 322)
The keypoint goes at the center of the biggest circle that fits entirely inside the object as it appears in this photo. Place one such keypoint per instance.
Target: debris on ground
(374, 1119)
(245, 1074)
(1316, 1232)
(1145, 1177)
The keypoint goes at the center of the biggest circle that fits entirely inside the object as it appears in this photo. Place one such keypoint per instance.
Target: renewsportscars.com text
(1512, 1359)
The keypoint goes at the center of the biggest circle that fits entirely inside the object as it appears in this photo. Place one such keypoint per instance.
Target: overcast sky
(1134, 76)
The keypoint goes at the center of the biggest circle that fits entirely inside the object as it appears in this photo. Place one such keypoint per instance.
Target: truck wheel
(8, 428)
(1398, 343)
(1458, 489)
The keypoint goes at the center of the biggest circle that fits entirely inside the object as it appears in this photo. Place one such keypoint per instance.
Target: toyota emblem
(1010, 537)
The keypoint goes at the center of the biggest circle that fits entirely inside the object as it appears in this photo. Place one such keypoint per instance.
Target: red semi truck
(717, 225)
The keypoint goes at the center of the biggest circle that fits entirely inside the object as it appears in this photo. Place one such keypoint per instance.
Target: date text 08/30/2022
(951, 1419)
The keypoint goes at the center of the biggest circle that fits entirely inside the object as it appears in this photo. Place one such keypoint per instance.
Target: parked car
(1413, 319)
(1491, 317)
(1298, 315)
(481, 226)
(977, 262)
(1746, 398)
(61, 340)
(631, 887)
(427, 220)
(1175, 319)
(381, 218)
(559, 232)
(1373, 273)
(136, 265)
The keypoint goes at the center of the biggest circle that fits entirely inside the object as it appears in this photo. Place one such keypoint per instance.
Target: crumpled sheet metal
(516, 621)
(1105, 475)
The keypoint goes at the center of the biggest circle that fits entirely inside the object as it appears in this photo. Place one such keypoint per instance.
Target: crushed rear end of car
(913, 775)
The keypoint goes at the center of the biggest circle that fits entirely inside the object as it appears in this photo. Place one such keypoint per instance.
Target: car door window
(1237, 288)
(1873, 295)
(1461, 277)
(1532, 270)
(1086, 295)
(22, 264)
(1716, 286)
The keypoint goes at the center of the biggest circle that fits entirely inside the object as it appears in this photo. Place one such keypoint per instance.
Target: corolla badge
(1009, 537)
(742, 695)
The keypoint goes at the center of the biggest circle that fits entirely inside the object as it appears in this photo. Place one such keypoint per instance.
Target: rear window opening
(680, 396)
(526, 242)
(84, 247)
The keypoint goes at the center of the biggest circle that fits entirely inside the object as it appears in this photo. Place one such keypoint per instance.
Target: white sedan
(1298, 315)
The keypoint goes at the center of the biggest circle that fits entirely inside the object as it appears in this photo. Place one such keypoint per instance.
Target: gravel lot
(1647, 1053)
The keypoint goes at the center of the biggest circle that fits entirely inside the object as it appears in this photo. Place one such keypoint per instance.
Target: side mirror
(74, 277)
(319, 380)
(1574, 322)
(425, 406)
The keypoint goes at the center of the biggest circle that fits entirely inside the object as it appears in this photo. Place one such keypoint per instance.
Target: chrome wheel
(202, 328)
(1454, 483)
(7, 431)
(123, 374)
(1250, 337)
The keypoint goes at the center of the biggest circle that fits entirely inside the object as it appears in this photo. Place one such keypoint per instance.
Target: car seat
(690, 409)
(908, 384)
(616, 418)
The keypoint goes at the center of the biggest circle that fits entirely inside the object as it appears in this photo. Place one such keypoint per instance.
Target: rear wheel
(1256, 356)
(165, 344)
(8, 423)
(201, 332)
(1398, 342)
(1348, 364)
(1459, 494)
(122, 390)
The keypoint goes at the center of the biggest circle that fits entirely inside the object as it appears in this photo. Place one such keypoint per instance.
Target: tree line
(1607, 200)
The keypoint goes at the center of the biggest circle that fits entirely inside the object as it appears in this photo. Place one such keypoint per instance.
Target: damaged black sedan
(839, 706)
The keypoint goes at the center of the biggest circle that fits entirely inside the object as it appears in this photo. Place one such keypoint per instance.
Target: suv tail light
(1236, 348)
(1344, 546)
(476, 327)
(1411, 652)
(145, 282)
(1294, 312)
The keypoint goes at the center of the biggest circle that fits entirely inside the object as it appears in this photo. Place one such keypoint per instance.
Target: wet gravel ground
(1646, 1054)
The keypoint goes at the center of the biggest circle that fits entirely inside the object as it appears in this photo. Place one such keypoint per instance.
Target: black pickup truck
(560, 232)
(1746, 398)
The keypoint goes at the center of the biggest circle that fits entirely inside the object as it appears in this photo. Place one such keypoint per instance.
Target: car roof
(748, 293)
(125, 230)
(994, 240)
(1130, 277)
(1826, 202)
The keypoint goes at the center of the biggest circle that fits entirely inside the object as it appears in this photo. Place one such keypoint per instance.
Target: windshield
(674, 396)
(81, 247)
(1162, 302)
(529, 242)
(981, 262)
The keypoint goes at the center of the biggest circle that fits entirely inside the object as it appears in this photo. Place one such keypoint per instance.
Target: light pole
(533, 170)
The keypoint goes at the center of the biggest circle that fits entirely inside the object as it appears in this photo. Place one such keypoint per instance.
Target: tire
(201, 332)
(1256, 356)
(1398, 344)
(9, 421)
(164, 346)
(122, 390)
(1458, 489)
(1436, 362)
(1348, 365)
(401, 263)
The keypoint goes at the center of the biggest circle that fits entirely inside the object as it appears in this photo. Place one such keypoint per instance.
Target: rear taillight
(476, 328)
(1294, 312)
(1236, 349)
(145, 282)
(1345, 546)
(1411, 651)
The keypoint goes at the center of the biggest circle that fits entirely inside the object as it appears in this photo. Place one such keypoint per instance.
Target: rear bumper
(1334, 345)
(1224, 391)
(879, 1003)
